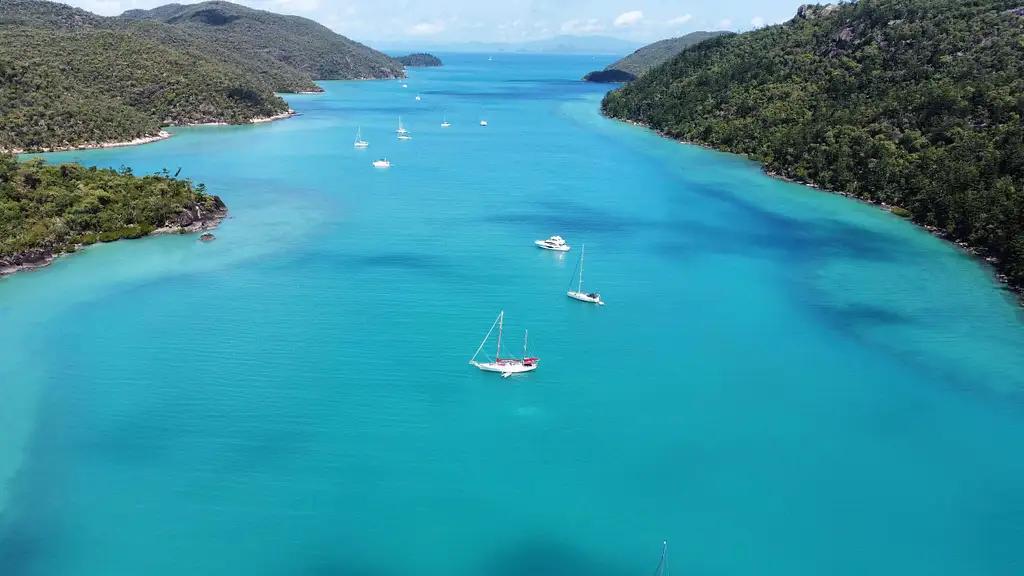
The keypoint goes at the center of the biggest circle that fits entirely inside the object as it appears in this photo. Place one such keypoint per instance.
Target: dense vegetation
(49, 209)
(912, 103)
(628, 68)
(609, 76)
(71, 78)
(293, 41)
(419, 60)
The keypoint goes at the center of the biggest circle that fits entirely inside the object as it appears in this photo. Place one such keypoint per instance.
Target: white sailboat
(579, 294)
(360, 143)
(403, 134)
(445, 123)
(508, 365)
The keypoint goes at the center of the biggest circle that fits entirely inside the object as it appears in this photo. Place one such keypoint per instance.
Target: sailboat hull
(583, 297)
(506, 367)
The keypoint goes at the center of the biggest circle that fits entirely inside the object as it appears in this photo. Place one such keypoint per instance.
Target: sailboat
(360, 143)
(579, 294)
(445, 123)
(507, 366)
(403, 134)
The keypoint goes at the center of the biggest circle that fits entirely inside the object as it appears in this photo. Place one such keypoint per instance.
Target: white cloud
(426, 28)
(680, 20)
(724, 24)
(757, 21)
(581, 26)
(629, 18)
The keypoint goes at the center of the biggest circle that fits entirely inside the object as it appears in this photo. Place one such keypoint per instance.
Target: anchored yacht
(554, 243)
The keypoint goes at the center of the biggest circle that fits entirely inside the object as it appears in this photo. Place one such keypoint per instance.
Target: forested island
(72, 79)
(420, 60)
(912, 104)
(49, 210)
(628, 68)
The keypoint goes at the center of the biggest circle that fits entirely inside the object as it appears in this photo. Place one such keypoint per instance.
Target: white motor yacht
(554, 243)
(483, 122)
(382, 163)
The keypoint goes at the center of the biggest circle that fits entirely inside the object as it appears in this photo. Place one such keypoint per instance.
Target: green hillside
(303, 44)
(72, 78)
(648, 57)
(78, 88)
(911, 103)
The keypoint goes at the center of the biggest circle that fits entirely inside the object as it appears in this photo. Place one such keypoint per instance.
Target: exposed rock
(812, 11)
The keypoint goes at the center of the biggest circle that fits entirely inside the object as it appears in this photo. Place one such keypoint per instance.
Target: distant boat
(360, 143)
(382, 163)
(488, 58)
(417, 96)
(579, 294)
(507, 366)
(445, 123)
(555, 243)
(401, 128)
(483, 122)
(405, 85)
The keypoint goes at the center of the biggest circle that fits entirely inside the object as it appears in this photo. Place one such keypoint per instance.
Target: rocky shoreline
(976, 251)
(162, 135)
(190, 220)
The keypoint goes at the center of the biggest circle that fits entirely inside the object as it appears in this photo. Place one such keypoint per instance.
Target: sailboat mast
(579, 287)
(664, 556)
(526, 337)
(501, 321)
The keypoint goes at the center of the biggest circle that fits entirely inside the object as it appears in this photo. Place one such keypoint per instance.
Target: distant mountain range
(556, 45)
(648, 57)
(72, 78)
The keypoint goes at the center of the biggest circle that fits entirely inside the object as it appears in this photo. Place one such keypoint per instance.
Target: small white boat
(404, 137)
(382, 163)
(554, 243)
(405, 85)
(507, 365)
(360, 143)
(483, 122)
(579, 294)
(445, 123)
(417, 96)
(401, 128)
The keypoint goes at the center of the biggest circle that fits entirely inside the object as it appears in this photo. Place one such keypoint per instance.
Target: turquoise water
(783, 382)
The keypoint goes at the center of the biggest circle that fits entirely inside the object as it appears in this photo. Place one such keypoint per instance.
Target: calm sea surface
(783, 382)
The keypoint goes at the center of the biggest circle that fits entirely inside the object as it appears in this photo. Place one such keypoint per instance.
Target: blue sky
(438, 21)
